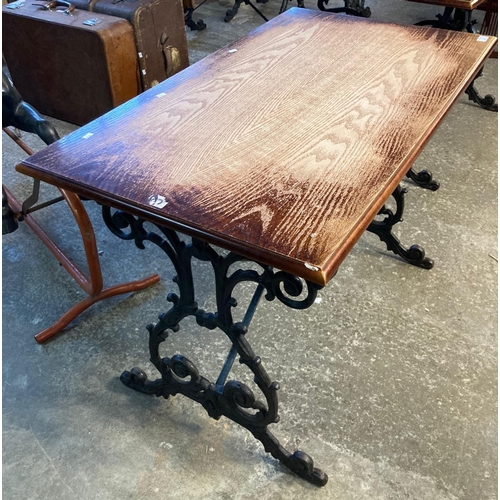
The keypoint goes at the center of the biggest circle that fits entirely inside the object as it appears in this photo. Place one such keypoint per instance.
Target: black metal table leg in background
(352, 8)
(231, 399)
(487, 102)
(190, 22)
(230, 13)
(414, 255)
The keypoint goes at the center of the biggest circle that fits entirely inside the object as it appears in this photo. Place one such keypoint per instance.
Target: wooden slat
(282, 146)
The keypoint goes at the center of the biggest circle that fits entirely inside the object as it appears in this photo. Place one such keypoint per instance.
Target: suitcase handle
(53, 4)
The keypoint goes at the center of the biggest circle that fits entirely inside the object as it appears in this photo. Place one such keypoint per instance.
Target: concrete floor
(389, 381)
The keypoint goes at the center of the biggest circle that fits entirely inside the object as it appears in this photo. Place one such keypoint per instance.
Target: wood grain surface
(282, 146)
(456, 4)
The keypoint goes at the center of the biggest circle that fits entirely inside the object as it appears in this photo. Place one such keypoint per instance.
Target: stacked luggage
(77, 61)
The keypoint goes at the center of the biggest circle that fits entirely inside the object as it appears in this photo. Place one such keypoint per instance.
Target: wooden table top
(282, 146)
(456, 4)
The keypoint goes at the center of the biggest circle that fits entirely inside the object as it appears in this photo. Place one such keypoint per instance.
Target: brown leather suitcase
(160, 34)
(74, 67)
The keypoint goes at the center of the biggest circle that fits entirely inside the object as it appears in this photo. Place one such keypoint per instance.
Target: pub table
(280, 149)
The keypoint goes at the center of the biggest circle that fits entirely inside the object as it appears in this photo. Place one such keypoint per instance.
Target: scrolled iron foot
(415, 255)
(230, 13)
(137, 380)
(351, 7)
(229, 398)
(299, 462)
(423, 179)
(302, 464)
(487, 102)
(190, 23)
(196, 25)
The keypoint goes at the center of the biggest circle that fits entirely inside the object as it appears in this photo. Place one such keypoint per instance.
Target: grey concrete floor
(389, 381)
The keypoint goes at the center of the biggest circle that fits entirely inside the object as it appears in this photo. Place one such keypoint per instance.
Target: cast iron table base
(232, 399)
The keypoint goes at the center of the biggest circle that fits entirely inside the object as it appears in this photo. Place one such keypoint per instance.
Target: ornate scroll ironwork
(414, 255)
(423, 179)
(231, 399)
(487, 102)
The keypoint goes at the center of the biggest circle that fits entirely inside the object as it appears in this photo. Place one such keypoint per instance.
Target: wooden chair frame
(91, 284)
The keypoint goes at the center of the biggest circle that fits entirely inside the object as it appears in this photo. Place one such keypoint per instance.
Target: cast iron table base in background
(230, 13)
(190, 22)
(352, 7)
(232, 399)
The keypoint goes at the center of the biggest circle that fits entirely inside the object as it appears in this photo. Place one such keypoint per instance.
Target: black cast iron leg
(231, 399)
(298, 462)
(233, 11)
(190, 23)
(487, 102)
(450, 19)
(414, 255)
(423, 179)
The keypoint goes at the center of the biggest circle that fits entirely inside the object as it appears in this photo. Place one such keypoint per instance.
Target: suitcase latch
(91, 22)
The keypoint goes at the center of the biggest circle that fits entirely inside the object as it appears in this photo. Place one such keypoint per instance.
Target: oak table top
(282, 146)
